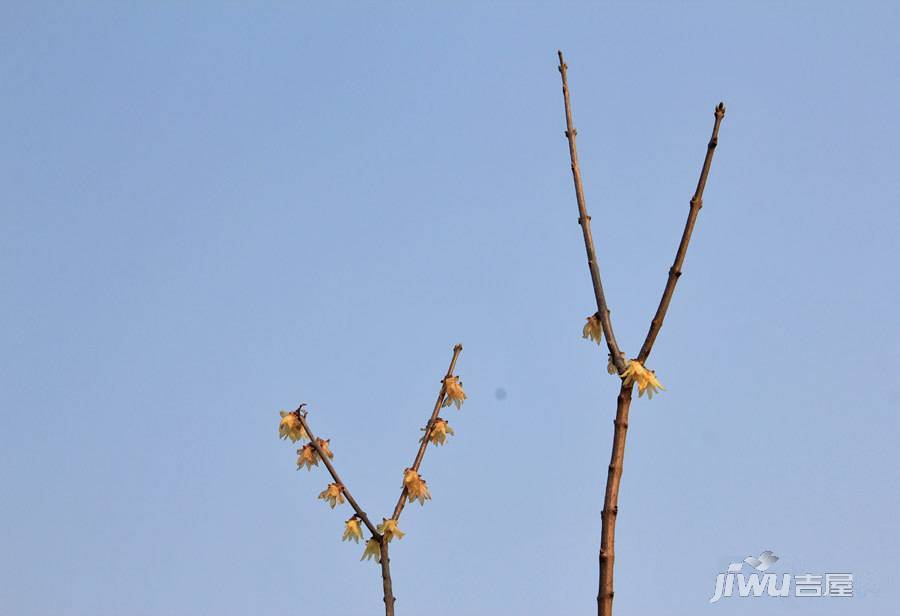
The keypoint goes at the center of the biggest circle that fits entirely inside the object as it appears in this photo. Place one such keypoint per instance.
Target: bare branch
(386, 583)
(675, 270)
(585, 221)
(611, 502)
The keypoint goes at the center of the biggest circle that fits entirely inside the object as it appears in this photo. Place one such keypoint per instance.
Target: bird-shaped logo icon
(765, 560)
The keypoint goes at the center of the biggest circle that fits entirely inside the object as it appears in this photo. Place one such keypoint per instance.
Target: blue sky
(214, 212)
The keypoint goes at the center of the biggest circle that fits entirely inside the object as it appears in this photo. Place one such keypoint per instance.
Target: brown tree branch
(386, 578)
(623, 403)
(611, 502)
(420, 455)
(585, 221)
(385, 559)
(675, 270)
(324, 457)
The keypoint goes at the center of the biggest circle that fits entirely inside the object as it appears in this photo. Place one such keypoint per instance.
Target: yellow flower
(373, 550)
(352, 530)
(439, 432)
(416, 488)
(333, 495)
(455, 394)
(592, 329)
(307, 457)
(389, 529)
(323, 445)
(290, 427)
(646, 380)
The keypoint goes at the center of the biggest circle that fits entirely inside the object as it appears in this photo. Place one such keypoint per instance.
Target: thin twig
(675, 270)
(324, 457)
(585, 221)
(420, 455)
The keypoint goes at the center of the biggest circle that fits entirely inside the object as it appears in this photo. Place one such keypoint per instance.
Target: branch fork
(616, 357)
(383, 538)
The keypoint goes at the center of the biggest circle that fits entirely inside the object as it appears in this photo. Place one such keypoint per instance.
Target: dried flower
(455, 394)
(333, 495)
(592, 329)
(636, 373)
(290, 427)
(416, 488)
(373, 550)
(439, 432)
(352, 530)
(389, 529)
(307, 457)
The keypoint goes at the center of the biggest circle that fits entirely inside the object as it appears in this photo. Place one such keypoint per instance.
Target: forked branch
(620, 431)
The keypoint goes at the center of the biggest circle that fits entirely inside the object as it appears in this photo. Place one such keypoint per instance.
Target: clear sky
(213, 212)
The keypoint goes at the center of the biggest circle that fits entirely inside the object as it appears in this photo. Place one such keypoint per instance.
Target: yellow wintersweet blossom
(389, 529)
(307, 456)
(373, 550)
(439, 432)
(333, 495)
(636, 373)
(592, 329)
(352, 530)
(290, 427)
(416, 487)
(323, 445)
(455, 394)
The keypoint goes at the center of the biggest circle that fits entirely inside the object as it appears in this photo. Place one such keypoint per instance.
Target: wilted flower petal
(611, 367)
(592, 329)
